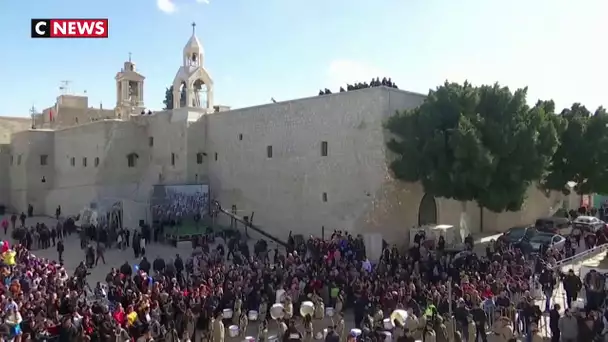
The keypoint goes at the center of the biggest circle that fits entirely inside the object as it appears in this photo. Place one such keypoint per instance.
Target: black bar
(250, 225)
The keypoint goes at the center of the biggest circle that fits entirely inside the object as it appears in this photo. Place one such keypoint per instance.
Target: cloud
(343, 71)
(166, 6)
(169, 6)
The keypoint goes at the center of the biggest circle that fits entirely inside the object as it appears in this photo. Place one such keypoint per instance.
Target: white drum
(252, 315)
(273, 338)
(277, 311)
(249, 339)
(329, 311)
(307, 308)
(388, 325)
(233, 330)
(388, 337)
(228, 313)
(355, 332)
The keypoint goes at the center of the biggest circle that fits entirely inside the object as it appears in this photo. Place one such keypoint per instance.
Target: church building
(302, 165)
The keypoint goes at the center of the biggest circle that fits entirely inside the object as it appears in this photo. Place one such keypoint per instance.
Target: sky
(256, 50)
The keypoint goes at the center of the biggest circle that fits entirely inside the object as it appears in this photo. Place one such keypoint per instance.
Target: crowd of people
(446, 295)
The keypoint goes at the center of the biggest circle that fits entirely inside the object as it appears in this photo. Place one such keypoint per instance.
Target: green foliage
(471, 143)
(168, 101)
(582, 156)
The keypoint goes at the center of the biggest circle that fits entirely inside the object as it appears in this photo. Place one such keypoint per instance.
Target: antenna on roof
(33, 115)
(65, 87)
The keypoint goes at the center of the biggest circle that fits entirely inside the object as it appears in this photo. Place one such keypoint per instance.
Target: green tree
(582, 156)
(469, 143)
(168, 101)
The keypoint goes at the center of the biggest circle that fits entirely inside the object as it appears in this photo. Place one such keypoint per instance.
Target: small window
(19, 160)
(96, 161)
(215, 156)
(44, 160)
(150, 141)
(173, 159)
(269, 151)
(241, 136)
(196, 177)
(73, 161)
(324, 197)
(132, 159)
(84, 162)
(12, 159)
(324, 148)
(199, 158)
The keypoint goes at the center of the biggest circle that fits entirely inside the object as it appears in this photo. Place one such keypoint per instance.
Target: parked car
(555, 225)
(589, 224)
(548, 240)
(518, 234)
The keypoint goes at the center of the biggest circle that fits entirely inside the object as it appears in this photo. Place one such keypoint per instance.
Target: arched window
(427, 211)
(132, 159)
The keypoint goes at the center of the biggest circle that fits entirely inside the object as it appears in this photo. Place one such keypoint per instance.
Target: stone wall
(266, 159)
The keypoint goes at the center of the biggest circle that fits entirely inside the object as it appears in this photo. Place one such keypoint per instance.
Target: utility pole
(33, 116)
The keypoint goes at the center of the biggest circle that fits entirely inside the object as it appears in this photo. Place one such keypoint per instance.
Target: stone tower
(192, 75)
(129, 90)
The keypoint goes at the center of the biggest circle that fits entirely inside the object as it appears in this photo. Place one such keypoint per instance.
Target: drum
(388, 325)
(307, 308)
(249, 339)
(329, 311)
(355, 332)
(252, 315)
(273, 338)
(228, 313)
(388, 337)
(277, 311)
(233, 331)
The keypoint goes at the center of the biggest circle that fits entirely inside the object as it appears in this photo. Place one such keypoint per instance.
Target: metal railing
(580, 256)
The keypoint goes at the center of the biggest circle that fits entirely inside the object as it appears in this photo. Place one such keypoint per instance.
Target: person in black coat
(126, 269)
(158, 265)
(554, 323)
(144, 265)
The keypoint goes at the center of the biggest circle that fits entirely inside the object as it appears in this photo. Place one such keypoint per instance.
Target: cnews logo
(70, 28)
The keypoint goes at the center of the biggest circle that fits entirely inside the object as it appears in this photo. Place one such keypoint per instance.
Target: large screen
(180, 206)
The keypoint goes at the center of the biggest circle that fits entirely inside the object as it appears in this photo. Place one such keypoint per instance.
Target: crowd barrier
(580, 256)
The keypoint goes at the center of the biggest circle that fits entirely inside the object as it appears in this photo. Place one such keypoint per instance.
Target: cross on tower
(129, 57)
(193, 28)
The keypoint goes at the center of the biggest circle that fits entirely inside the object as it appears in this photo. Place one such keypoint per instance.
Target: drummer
(292, 334)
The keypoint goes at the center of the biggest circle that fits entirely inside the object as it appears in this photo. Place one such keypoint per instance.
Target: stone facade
(298, 165)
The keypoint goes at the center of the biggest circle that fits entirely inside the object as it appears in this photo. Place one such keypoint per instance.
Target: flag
(50, 115)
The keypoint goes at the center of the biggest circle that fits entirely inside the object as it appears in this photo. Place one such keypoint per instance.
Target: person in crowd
(572, 285)
(568, 327)
(554, 318)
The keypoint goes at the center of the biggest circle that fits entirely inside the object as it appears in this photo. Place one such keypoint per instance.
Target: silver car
(548, 240)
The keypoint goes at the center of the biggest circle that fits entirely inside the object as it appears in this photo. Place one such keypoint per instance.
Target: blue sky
(255, 50)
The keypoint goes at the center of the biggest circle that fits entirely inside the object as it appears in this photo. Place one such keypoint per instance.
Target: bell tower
(129, 90)
(192, 85)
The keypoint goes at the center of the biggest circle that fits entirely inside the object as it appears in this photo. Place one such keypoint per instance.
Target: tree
(582, 156)
(168, 101)
(469, 143)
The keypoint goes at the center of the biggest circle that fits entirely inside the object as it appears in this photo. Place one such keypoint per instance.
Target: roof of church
(194, 44)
